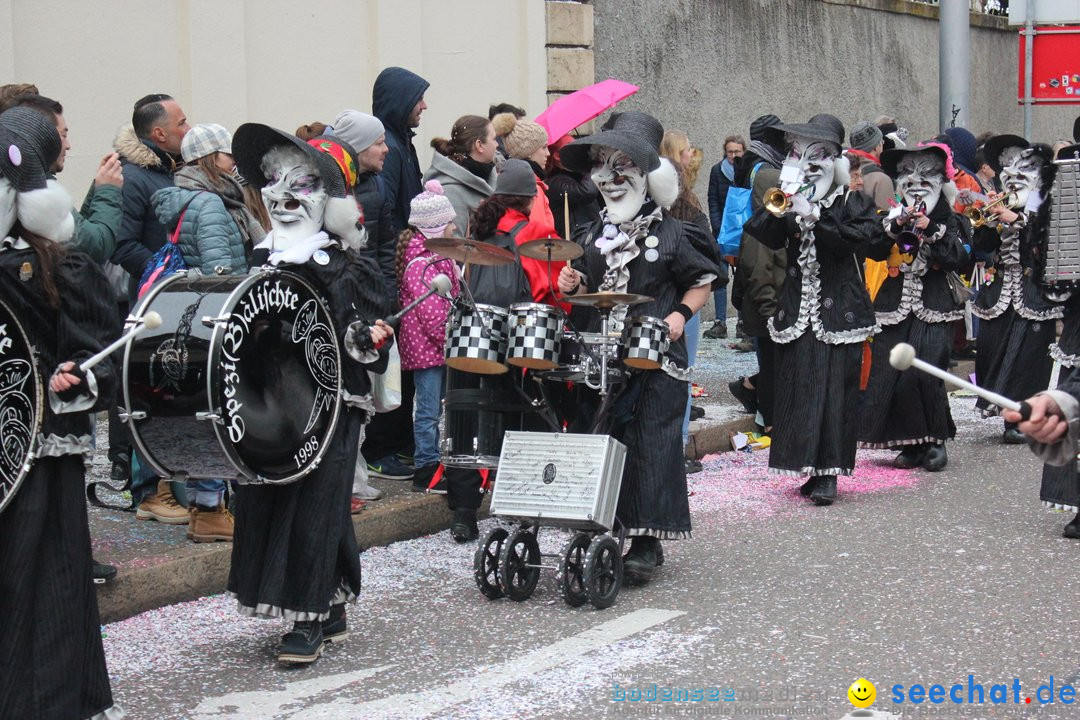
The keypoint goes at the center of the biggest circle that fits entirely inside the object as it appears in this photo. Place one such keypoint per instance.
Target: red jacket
(540, 283)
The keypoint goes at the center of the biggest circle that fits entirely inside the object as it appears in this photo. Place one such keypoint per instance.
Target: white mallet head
(151, 320)
(901, 356)
(441, 285)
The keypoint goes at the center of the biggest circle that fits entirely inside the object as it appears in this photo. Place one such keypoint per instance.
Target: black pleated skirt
(1061, 484)
(911, 407)
(817, 395)
(652, 497)
(52, 663)
(1013, 358)
(294, 547)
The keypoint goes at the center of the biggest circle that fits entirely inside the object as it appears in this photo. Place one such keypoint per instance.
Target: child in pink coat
(422, 333)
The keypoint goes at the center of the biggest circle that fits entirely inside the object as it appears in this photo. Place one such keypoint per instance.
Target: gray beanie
(516, 178)
(358, 129)
(864, 136)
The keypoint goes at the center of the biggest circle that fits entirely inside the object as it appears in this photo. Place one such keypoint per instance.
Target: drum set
(546, 478)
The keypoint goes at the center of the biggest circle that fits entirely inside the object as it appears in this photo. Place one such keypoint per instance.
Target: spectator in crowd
(568, 188)
(499, 109)
(310, 131)
(988, 179)
(464, 165)
(720, 178)
(867, 142)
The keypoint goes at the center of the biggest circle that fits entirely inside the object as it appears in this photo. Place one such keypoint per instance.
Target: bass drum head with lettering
(21, 405)
(275, 378)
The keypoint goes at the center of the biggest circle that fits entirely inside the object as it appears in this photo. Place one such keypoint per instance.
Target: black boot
(464, 528)
(911, 456)
(303, 644)
(1072, 530)
(100, 572)
(825, 492)
(936, 458)
(640, 563)
(808, 487)
(334, 628)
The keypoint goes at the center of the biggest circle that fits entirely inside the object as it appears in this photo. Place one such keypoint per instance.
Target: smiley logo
(862, 693)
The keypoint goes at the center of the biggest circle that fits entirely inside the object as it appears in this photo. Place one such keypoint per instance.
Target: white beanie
(358, 129)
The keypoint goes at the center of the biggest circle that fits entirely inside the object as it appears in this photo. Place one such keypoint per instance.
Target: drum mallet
(902, 357)
(149, 321)
(440, 284)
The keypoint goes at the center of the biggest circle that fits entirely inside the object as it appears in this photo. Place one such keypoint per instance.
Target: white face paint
(1020, 174)
(809, 169)
(622, 184)
(8, 211)
(919, 177)
(294, 196)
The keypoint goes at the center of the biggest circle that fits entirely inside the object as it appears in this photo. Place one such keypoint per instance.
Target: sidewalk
(158, 566)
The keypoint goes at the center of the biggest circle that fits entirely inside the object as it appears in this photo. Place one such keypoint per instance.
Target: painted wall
(709, 67)
(274, 61)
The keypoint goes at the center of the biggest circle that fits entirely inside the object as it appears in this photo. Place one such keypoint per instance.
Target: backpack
(737, 210)
(501, 285)
(167, 260)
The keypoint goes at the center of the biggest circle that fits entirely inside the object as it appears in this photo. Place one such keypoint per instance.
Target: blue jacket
(147, 169)
(209, 239)
(395, 94)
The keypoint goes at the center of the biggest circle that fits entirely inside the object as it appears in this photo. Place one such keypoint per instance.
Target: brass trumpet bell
(776, 201)
(979, 216)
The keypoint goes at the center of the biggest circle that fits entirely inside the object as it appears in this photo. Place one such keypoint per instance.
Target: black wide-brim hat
(822, 127)
(252, 141)
(29, 145)
(637, 134)
(890, 159)
(999, 144)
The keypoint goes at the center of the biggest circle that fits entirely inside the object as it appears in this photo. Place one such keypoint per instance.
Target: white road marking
(267, 703)
(418, 705)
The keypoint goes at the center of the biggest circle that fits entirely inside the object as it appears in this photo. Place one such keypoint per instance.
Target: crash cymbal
(606, 300)
(559, 249)
(469, 250)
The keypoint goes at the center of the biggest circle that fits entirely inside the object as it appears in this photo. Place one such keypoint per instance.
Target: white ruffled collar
(297, 253)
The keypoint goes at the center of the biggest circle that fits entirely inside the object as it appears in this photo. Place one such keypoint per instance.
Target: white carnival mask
(1020, 168)
(622, 184)
(8, 209)
(809, 169)
(919, 178)
(294, 196)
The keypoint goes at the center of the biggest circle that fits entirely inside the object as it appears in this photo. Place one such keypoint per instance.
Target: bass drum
(242, 378)
(21, 404)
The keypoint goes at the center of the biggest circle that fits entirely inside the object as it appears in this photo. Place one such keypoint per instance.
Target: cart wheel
(486, 564)
(571, 567)
(602, 575)
(516, 579)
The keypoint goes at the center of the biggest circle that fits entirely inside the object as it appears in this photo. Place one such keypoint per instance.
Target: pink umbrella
(581, 106)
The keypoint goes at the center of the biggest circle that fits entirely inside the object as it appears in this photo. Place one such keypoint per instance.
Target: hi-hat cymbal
(606, 300)
(469, 250)
(558, 249)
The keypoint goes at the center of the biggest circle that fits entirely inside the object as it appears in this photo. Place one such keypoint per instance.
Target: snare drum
(535, 332)
(476, 340)
(645, 340)
(241, 378)
(21, 404)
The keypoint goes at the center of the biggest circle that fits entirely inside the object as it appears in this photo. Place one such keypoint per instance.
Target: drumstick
(440, 284)
(902, 356)
(149, 321)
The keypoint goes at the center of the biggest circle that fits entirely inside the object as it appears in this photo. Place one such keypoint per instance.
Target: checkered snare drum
(645, 340)
(476, 340)
(535, 333)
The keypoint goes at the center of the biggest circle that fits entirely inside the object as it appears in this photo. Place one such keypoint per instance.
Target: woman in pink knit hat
(422, 334)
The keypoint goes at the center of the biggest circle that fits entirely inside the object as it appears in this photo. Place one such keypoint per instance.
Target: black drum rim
(39, 410)
(517, 580)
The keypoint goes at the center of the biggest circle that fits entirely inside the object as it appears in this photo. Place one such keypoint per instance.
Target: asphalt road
(911, 578)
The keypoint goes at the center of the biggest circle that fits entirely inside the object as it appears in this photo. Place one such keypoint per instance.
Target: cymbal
(606, 300)
(559, 249)
(469, 250)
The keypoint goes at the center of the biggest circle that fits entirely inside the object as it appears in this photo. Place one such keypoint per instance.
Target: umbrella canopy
(578, 108)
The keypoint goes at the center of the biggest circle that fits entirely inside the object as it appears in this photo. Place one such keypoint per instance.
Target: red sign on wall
(1055, 65)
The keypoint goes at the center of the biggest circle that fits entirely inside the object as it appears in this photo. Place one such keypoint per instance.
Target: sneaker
(356, 505)
(210, 524)
(743, 346)
(303, 644)
(334, 628)
(717, 332)
(389, 468)
(120, 476)
(746, 396)
(696, 412)
(405, 459)
(363, 491)
(692, 466)
(163, 507)
(100, 572)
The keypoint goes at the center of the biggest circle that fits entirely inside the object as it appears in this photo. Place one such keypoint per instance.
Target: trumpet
(776, 201)
(909, 241)
(979, 217)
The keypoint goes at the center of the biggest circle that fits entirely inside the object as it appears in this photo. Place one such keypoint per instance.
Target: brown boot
(162, 507)
(210, 524)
